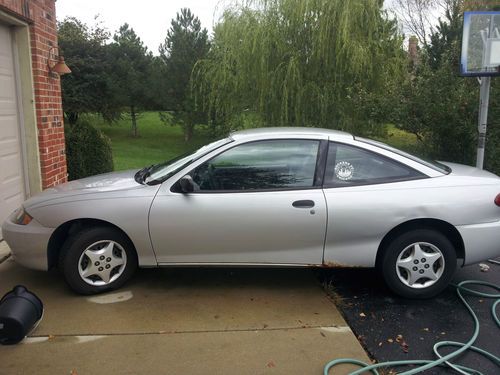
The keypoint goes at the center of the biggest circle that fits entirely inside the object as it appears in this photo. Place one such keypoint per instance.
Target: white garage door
(11, 161)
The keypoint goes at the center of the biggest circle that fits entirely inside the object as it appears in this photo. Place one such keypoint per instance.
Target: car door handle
(306, 203)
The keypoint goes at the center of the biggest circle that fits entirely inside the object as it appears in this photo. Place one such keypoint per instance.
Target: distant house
(31, 118)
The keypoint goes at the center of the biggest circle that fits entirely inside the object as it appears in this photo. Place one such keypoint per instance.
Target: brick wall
(41, 15)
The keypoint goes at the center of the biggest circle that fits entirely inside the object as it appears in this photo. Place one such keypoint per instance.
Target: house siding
(41, 16)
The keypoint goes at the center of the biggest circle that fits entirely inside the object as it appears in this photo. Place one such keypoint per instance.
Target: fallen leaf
(484, 267)
(404, 346)
(390, 340)
(380, 343)
(363, 315)
(399, 338)
(322, 334)
(426, 329)
(271, 364)
(52, 337)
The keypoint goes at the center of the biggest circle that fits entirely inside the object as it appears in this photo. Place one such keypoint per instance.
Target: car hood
(103, 183)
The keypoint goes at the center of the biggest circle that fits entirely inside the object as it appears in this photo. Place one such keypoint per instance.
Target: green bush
(88, 150)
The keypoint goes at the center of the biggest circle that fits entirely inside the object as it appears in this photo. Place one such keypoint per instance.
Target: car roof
(289, 131)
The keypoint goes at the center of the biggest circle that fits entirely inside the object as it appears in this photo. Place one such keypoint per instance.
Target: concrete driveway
(182, 321)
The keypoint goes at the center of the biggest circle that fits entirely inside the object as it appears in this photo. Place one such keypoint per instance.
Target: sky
(149, 18)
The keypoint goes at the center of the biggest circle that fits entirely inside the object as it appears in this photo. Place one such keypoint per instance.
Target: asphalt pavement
(393, 328)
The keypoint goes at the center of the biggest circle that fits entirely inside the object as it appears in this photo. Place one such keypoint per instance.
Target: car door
(257, 202)
(367, 195)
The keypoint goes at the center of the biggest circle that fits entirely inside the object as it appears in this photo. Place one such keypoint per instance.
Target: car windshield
(160, 172)
(437, 166)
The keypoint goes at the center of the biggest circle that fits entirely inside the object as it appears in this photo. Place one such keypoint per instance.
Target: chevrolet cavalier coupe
(277, 197)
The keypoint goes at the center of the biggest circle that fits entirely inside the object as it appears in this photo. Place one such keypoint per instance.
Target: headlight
(22, 217)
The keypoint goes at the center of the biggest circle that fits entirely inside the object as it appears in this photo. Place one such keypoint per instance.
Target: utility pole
(484, 100)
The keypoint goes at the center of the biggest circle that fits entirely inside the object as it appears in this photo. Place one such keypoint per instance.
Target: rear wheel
(418, 264)
(97, 259)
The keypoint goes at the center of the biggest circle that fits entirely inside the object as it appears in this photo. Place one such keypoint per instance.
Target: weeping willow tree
(327, 63)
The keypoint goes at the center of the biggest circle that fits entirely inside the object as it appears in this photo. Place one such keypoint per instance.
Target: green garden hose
(422, 365)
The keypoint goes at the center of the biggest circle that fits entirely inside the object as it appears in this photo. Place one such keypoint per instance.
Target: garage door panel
(5, 60)
(6, 88)
(8, 133)
(7, 109)
(11, 162)
(11, 195)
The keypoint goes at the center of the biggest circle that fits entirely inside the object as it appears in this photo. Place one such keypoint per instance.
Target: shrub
(88, 150)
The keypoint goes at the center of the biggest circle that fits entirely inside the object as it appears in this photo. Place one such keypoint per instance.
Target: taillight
(497, 200)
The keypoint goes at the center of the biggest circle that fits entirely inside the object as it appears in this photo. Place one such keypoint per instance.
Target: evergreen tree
(131, 73)
(185, 44)
(440, 106)
(88, 89)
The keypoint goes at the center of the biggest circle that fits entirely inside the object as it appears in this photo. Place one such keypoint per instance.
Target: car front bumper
(481, 241)
(28, 243)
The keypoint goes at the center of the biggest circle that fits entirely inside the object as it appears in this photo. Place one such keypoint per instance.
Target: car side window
(349, 166)
(261, 165)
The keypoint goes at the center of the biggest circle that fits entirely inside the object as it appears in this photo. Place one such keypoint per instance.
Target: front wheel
(97, 259)
(418, 264)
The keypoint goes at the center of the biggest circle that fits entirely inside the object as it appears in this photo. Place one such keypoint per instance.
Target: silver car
(278, 197)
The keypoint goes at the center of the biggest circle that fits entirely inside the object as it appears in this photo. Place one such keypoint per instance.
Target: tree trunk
(72, 117)
(188, 132)
(133, 116)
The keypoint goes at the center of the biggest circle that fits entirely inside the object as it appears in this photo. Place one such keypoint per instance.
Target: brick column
(41, 15)
(49, 113)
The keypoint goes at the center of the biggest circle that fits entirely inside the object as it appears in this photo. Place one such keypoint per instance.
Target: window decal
(344, 170)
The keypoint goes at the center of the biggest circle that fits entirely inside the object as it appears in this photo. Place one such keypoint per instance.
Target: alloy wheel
(102, 263)
(420, 265)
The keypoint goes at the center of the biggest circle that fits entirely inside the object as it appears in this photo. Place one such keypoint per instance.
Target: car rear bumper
(28, 243)
(482, 241)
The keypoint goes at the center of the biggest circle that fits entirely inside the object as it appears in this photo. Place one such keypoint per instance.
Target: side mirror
(187, 184)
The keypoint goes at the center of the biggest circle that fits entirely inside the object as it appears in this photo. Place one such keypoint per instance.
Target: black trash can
(20, 310)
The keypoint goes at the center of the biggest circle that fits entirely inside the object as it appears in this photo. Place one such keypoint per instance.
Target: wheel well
(441, 226)
(65, 230)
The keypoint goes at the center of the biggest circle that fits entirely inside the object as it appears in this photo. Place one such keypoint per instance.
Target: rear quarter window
(350, 166)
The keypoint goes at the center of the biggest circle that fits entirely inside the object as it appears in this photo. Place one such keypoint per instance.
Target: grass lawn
(156, 142)
(400, 139)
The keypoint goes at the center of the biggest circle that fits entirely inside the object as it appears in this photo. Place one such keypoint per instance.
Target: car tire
(418, 264)
(97, 259)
